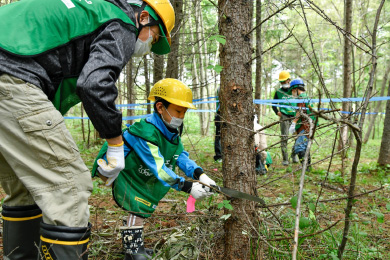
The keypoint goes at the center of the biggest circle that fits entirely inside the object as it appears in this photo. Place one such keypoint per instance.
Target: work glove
(115, 163)
(291, 130)
(206, 180)
(198, 192)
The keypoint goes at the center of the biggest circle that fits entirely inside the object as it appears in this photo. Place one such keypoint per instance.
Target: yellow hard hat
(165, 12)
(174, 91)
(284, 75)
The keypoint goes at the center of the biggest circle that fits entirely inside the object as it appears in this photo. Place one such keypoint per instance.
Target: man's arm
(275, 109)
(110, 51)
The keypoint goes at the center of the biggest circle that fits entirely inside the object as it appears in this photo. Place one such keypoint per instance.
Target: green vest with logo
(137, 189)
(33, 27)
(285, 110)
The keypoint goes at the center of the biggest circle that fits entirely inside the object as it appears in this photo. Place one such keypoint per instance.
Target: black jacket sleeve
(275, 109)
(110, 51)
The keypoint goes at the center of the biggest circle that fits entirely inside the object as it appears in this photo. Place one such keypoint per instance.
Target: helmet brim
(163, 45)
(175, 102)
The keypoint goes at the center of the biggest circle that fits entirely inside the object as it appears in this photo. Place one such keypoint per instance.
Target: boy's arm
(188, 166)
(191, 169)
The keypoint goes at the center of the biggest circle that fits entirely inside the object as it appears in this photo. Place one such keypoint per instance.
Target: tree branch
(269, 17)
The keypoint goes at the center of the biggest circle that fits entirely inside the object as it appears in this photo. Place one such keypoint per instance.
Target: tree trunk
(205, 80)
(238, 166)
(384, 151)
(173, 64)
(259, 49)
(130, 88)
(347, 88)
(378, 106)
(147, 83)
(194, 69)
(359, 137)
(202, 84)
(82, 122)
(158, 67)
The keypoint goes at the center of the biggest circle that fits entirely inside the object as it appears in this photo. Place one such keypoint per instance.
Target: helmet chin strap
(151, 21)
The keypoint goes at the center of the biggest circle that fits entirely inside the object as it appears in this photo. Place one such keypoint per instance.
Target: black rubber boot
(64, 243)
(301, 156)
(285, 157)
(133, 243)
(21, 232)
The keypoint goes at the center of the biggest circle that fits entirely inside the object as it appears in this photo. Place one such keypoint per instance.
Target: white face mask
(143, 47)
(285, 86)
(175, 122)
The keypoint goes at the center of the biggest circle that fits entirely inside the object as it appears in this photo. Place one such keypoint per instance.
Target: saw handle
(216, 187)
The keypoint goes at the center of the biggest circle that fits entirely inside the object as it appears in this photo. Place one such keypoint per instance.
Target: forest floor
(175, 234)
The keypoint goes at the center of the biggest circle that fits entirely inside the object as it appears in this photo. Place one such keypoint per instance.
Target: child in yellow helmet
(153, 149)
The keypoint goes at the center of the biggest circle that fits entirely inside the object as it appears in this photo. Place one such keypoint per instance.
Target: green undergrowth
(175, 234)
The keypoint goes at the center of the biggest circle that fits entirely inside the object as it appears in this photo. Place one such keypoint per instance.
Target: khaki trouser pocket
(48, 137)
(5, 92)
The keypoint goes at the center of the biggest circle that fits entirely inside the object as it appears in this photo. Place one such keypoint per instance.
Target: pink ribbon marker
(191, 204)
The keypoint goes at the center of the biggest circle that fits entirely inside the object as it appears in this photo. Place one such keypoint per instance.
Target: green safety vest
(285, 110)
(136, 188)
(32, 27)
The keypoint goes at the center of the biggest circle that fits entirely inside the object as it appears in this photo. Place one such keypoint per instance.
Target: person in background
(153, 149)
(54, 54)
(217, 139)
(263, 158)
(284, 112)
(300, 125)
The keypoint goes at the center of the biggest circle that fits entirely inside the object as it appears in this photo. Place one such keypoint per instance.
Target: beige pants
(39, 161)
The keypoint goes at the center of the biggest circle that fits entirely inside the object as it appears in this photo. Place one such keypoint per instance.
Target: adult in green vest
(300, 125)
(54, 54)
(285, 112)
(153, 149)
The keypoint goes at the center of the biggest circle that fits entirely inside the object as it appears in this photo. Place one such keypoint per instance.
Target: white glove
(198, 192)
(291, 130)
(206, 180)
(116, 162)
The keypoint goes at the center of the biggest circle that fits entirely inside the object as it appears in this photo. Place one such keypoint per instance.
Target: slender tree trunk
(158, 67)
(130, 89)
(147, 83)
(259, 49)
(202, 85)
(347, 65)
(205, 78)
(378, 105)
(194, 69)
(359, 136)
(238, 166)
(173, 64)
(82, 122)
(384, 151)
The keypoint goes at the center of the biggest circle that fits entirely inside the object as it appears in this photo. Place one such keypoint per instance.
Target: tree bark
(347, 86)
(158, 67)
(238, 166)
(194, 67)
(384, 151)
(359, 136)
(259, 49)
(173, 64)
(130, 88)
(371, 123)
(147, 83)
(202, 84)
